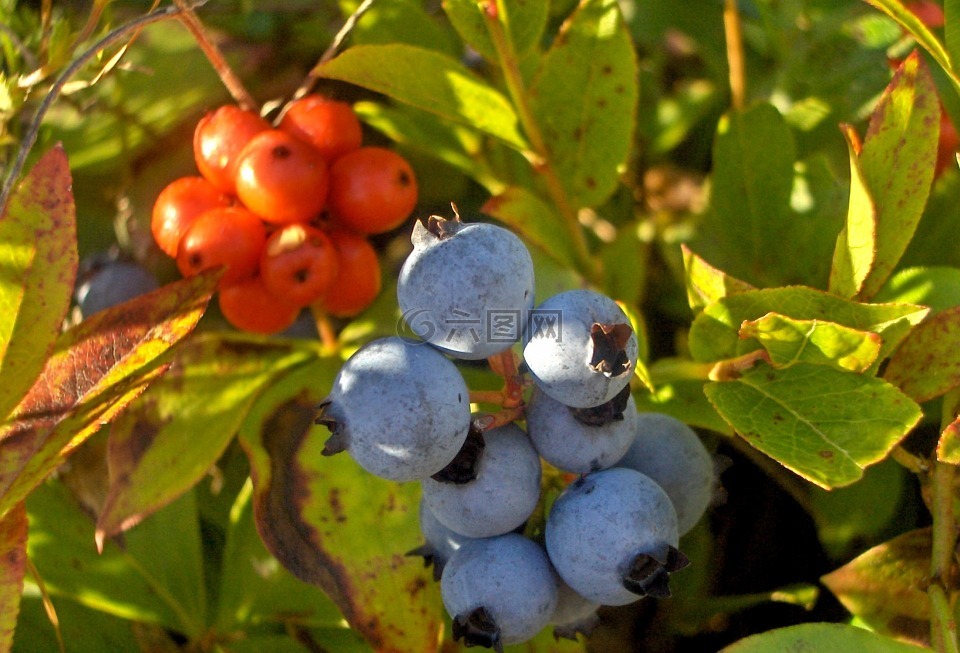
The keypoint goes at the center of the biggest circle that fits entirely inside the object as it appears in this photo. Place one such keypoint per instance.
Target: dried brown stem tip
(650, 576)
(466, 464)
(606, 413)
(337, 442)
(609, 348)
(478, 628)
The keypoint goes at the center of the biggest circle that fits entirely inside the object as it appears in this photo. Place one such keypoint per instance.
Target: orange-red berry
(178, 205)
(357, 282)
(298, 264)
(249, 306)
(330, 126)
(372, 190)
(231, 236)
(218, 139)
(281, 178)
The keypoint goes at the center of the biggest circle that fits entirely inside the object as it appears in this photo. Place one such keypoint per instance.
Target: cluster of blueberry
(635, 482)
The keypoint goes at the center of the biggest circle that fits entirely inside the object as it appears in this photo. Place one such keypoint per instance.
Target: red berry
(249, 306)
(218, 139)
(372, 190)
(298, 264)
(230, 236)
(281, 178)
(357, 282)
(178, 205)
(947, 145)
(329, 126)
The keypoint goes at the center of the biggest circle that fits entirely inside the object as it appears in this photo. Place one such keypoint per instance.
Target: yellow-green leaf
(857, 242)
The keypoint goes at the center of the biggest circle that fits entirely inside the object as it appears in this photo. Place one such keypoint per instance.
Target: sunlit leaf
(885, 587)
(714, 334)
(822, 638)
(430, 81)
(97, 368)
(926, 364)
(824, 424)
(937, 287)
(13, 564)
(897, 161)
(154, 453)
(790, 341)
(38, 231)
(857, 243)
(332, 524)
(584, 98)
(705, 283)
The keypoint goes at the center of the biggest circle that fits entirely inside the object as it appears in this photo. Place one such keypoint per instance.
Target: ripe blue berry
(466, 288)
(107, 282)
(580, 348)
(440, 543)
(501, 496)
(581, 440)
(574, 613)
(499, 590)
(612, 536)
(400, 408)
(669, 452)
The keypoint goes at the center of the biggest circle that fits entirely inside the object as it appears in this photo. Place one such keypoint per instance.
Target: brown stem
(234, 86)
(735, 60)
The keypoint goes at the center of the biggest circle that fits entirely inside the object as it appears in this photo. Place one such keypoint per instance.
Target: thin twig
(234, 86)
(19, 46)
(30, 137)
(310, 81)
(735, 60)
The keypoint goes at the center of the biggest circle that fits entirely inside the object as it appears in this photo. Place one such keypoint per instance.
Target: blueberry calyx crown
(436, 228)
(605, 413)
(430, 558)
(466, 464)
(337, 442)
(649, 575)
(478, 628)
(583, 627)
(609, 348)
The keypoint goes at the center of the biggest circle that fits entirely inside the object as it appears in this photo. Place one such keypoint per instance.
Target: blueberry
(580, 348)
(401, 409)
(440, 543)
(503, 494)
(466, 288)
(612, 536)
(585, 439)
(499, 590)
(671, 453)
(574, 613)
(105, 282)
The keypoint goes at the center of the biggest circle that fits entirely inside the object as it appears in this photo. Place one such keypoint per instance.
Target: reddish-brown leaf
(925, 364)
(96, 369)
(13, 562)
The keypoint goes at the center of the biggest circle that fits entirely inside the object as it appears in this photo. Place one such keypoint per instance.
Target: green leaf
(97, 368)
(925, 38)
(818, 342)
(535, 220)
(885, 587)
(524, 21)
(937, 287)
(951, 29)
(431, 81)
(948, 446)
(400, 21)
(625, 263)
(822, 638)
(39, 235)
(116, 581)
(154, 453)
(857, 243)
(749, 217)
(255, 588)
(898, 156)
(926, 364)
(333, 524)
(714, 334)
(88, 631)
(584, 98)
(824, 424)
(707, 284)
(13, 564)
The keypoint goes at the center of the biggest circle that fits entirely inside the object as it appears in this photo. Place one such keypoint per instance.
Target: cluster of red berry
(286, 211)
